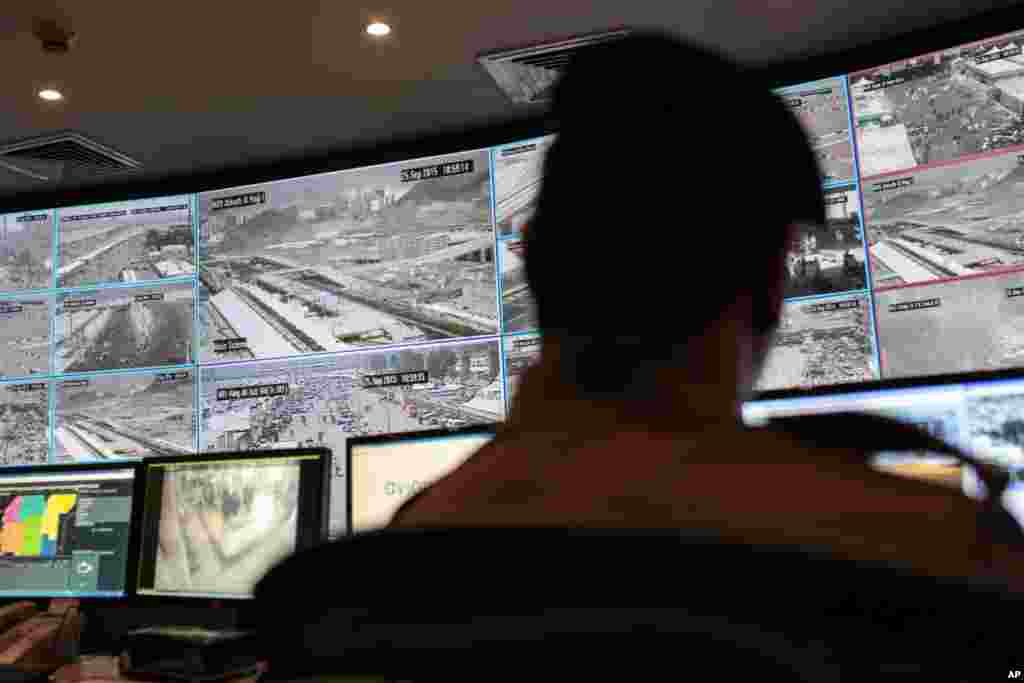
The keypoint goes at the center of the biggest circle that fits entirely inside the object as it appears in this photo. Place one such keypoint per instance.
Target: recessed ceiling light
(50, 95)
(378, 29)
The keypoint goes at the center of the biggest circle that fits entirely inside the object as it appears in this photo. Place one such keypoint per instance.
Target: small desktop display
(213, 525)
(385, 471)
(935, 410)
(981, 418)
(65, 532)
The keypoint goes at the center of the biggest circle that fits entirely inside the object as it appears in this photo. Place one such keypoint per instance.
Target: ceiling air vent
(527, 75)
(63, 156)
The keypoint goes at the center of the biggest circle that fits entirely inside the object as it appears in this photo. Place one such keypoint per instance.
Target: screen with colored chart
(65, 533)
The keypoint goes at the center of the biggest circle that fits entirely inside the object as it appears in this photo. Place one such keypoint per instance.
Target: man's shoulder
(449, 495)
(925, 484)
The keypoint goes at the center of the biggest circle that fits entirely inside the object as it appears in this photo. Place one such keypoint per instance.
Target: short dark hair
(666, 193)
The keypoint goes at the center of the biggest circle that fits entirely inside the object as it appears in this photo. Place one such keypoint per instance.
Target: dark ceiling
(193, 86)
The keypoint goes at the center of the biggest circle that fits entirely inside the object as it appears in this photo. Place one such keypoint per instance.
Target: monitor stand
(109, 624)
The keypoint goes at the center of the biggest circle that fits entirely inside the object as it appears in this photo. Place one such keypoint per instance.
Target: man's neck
(546, 404)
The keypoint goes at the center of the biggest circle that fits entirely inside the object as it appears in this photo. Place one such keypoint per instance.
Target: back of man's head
(666, 194)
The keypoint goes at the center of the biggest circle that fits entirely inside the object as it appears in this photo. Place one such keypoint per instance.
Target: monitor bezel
(131, 566)
(237, 601)
(358, 441)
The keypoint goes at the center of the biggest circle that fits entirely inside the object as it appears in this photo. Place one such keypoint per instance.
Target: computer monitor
(65, 531)
(385, 471)
(981, 418)
(213, 525)
(936, 410)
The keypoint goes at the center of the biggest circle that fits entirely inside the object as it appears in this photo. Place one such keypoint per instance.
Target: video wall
(291, 313)
(393, 298)
(985, 419)
(928, 276)
(919, 271)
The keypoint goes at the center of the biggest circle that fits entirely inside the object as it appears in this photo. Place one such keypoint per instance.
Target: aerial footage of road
(129, 242)
(26, 251)
(518, 169)
(123, 328)
(124, 416)
(25, 336)
(829, 258)
(326, 401)
(959, 219)
(348, 260)
(264, 314)
(223, 527)
(820, 342)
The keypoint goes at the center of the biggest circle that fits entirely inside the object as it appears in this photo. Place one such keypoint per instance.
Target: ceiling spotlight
(378, 29)
(50, 95)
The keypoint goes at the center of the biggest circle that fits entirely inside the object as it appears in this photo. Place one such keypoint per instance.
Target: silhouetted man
(631, 416)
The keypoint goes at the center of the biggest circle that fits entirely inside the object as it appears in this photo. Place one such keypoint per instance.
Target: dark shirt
(799, 482)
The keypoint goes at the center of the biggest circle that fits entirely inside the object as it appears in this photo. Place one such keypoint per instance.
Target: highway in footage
(93, 439)
(126, 331)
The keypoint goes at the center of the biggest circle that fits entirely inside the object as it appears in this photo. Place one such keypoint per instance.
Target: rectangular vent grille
(63, 156)
(528, 75)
